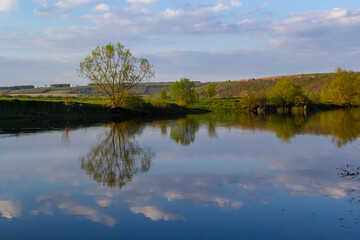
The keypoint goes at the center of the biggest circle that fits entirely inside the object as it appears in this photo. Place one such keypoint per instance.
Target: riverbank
(24, 108)
(49, 108)
(234, 105)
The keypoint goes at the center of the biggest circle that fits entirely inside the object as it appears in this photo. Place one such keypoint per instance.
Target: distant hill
(141, 89)
(308, 82)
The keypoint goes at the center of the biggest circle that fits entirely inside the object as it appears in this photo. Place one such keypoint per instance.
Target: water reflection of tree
(286, 127)
(162, 125)
(183, 131)
(342, 125)
(65, 138)
(117, 157)
(212, 129)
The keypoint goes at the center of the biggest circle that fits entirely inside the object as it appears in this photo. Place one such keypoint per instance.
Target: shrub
(4, 95)
(132, 102)
(159, 103)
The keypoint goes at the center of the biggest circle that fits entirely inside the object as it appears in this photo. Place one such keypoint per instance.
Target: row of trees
(342, 90)
(116, 71)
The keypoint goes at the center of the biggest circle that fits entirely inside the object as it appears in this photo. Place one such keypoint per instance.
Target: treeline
(17, 87)
(341, 88)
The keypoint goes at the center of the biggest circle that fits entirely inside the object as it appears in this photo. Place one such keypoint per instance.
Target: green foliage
(218, 105)
(287, 94)
(183, 91)
(28, 107)
(344, 90)
(159, 103)
(211, 90)
(115, 70)
(251, 99)
(163, 94)
(183, 131)
(132, 102)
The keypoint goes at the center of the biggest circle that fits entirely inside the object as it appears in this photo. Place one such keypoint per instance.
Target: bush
(4, 95)
(211, 90)
(163, 95)
(158, 103)
(132, 102)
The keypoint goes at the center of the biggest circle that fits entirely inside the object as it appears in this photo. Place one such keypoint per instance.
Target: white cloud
(141, 1)
(156, 214)
(228, 203)
(41, 2)
(326, 31)
(10, 209)
(171, 13)
(236, 3)
(302, 42)
(60, 6)
(226, 5)
(8, 5)
(102, 7)
(68, 206)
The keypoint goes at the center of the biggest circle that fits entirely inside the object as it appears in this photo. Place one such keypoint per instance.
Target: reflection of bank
(117, 157)
(342, 125)
(183, 131)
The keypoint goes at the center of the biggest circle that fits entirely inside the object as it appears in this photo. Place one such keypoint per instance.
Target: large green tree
(287, 94)
(344, 90)
(115, 70)
(183, 91)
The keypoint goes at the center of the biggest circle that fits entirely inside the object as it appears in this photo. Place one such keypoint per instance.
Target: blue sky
(43, 41)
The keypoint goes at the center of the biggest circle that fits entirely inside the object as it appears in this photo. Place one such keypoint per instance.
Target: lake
(211, 176)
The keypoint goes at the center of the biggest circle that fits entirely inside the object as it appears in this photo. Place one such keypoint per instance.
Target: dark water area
(210, 176)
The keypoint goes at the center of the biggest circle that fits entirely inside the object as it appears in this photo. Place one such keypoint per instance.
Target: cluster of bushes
(340, 89)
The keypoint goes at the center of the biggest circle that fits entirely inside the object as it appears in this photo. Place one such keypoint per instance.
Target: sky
(43, 41)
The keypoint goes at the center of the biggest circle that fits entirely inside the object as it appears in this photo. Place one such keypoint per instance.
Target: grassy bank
(22, 108)
(25, 108)
(231, 105)
(18, 108)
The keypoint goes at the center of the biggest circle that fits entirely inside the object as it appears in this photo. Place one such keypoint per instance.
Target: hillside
(308, 82)
(311, 83)
(92, 90)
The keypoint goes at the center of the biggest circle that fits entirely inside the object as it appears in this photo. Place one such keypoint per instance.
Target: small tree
(183, 91)
(247, 100)
(115, 70)
(211, 89)
(163, 94)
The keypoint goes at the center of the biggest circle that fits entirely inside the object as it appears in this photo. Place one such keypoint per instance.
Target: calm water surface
(201, 177)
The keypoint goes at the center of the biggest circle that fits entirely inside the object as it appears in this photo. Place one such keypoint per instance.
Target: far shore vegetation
(340, 89)
(120, 84)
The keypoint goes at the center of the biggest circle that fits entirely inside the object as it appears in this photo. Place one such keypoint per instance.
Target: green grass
(27, 107)
(218, 104)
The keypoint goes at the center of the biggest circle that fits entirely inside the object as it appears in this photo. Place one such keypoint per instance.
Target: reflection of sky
(240, 176)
